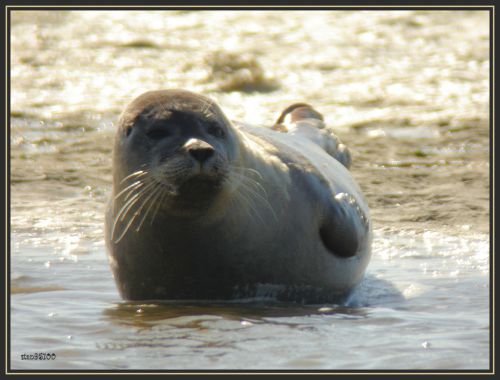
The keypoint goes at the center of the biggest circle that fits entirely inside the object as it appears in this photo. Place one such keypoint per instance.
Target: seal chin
(199, 190)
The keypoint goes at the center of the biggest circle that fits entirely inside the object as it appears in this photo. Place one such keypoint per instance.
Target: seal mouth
(203, 171)
(193, 178)
(195, 196)
(192, 186)
(199, 185)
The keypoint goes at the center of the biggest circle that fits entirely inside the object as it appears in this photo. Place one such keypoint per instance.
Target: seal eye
(216, 131)
(158, 133)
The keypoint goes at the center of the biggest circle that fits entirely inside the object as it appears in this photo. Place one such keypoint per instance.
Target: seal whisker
(250, 170)
(156, 192)
(247, 181)
(254, 172)
(126, 206)
(164, 182)
(248, 201)
(257, 184)
(138, 173)
(130, 188)
(129, 203)
(122, 214)
(260, 196)
(163, 192)
(242, 179)
(146, 188)
(126, 229)
(251, 196)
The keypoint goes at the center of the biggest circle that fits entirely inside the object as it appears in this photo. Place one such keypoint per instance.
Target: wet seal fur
(206, 208)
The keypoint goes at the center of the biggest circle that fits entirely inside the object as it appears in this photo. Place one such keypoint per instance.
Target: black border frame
(83, 5)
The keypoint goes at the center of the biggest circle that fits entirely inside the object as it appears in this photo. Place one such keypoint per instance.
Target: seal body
(205, 208)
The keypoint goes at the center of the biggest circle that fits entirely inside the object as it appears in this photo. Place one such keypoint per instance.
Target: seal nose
(199, 150)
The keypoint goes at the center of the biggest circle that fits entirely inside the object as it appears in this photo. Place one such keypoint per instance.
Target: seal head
(180, 142)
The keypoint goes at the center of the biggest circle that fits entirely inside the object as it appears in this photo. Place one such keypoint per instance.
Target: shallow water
(407, 91)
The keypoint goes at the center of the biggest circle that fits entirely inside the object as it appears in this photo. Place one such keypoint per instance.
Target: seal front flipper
(344, 226)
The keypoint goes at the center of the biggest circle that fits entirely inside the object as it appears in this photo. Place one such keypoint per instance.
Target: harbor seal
(203, 208)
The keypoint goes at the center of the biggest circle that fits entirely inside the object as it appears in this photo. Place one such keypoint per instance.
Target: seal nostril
(200, 153)
(198, 149)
